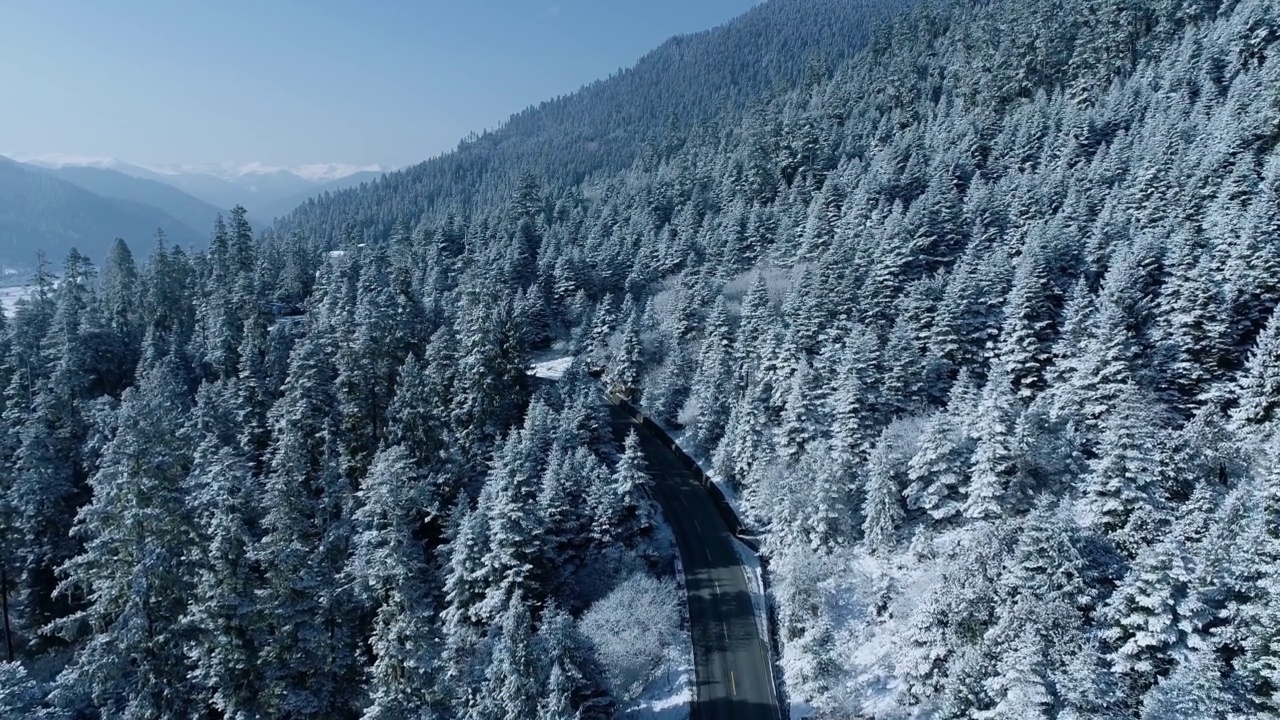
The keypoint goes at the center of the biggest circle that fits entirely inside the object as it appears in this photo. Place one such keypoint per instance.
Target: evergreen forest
(969, 305)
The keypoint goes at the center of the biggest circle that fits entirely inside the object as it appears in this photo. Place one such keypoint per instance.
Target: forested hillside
(687, 85)
(979, 326)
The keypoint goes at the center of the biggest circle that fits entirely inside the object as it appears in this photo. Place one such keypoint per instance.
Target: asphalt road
(731, 660)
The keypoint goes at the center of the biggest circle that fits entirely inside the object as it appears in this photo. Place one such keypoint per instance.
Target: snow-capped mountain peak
(61, 160)
(325, 172)
(231, 171)
(315, 172)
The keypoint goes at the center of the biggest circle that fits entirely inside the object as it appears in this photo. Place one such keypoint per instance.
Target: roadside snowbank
(755, 580)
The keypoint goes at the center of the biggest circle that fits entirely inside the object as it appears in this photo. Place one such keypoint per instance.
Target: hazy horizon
(389, 86)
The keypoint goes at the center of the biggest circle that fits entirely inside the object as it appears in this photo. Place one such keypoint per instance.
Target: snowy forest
(975, 322)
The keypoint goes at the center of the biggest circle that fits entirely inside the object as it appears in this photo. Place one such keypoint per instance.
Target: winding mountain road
(731, 659)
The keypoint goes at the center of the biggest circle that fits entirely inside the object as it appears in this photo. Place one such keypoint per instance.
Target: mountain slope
(192, 212)
(42, 212)
(683, 85)
(981, 330)
(282, 207)
(252, 190)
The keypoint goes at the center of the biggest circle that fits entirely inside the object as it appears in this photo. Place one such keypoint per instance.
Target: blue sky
(296, 81)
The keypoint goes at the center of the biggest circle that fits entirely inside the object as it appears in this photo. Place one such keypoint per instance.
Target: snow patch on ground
(669, 697)
(552, 369)
(10, 296)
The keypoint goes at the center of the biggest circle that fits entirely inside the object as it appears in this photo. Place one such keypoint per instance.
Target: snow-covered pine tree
(389, 564)
(132, 569)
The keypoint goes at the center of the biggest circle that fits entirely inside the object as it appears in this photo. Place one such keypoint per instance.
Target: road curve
(731, 660)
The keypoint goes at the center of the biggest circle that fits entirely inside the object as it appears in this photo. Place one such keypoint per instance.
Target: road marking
(733, 684)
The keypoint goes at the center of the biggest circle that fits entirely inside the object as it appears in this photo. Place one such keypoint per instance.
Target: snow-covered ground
(755, 579)
(670, 695)
(551, 369)
(10, 296)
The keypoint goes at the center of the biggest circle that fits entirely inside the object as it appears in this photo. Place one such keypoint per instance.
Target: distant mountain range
(255, 185)
(40, 211)
(55, 202)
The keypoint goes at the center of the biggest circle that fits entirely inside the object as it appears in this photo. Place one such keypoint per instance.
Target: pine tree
(882, 509)
(939, 470)
(903, 380)
(558, 702)
(564, 517)
(623, 373)
(388, 562)
(668, 390)
(513, 679)
(991, 491)
(1028, 333)
(419, 416)
(309, 653)
(754, 324)
(708, 401)
(1193, 689)
(574, 674)
(466, 584)
(1024, 685)
(1045, 605)
(511, 493)
(746, 439)
(630, 517)
(49, 474)
(491, 381)
(22, 698)
(122, 304)
(853, 400)
(368, 361)
(602, 328)
(1155, 615)
(1258, 390)
(221, 612)
(132, 568)
(800, 420)
(831, 492)
(1123, 475)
